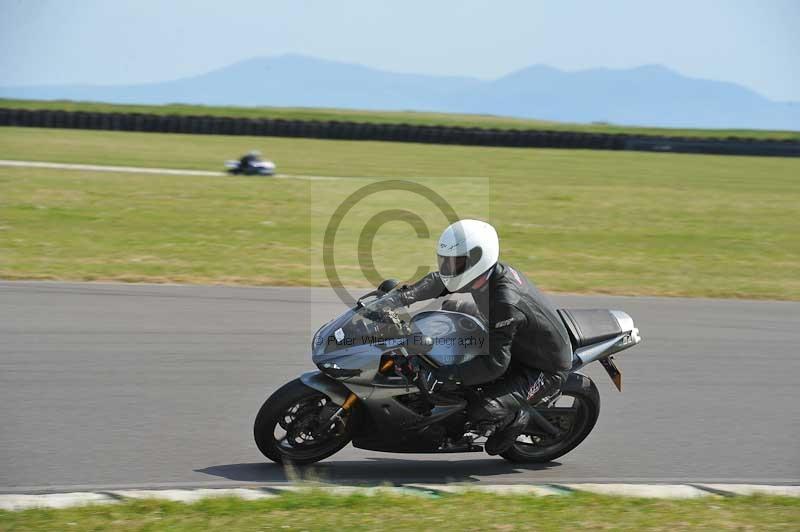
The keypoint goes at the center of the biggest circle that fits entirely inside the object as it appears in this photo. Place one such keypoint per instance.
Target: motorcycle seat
(589, 326)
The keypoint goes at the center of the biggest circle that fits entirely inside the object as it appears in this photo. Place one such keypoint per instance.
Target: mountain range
(649, 95)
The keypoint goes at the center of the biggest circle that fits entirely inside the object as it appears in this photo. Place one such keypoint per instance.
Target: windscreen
(374, 321)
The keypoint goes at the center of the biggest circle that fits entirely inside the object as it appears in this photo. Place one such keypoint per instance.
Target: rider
(253, 156)
(529, 353)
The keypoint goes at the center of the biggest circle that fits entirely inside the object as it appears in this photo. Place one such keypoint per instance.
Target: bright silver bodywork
(629, 337)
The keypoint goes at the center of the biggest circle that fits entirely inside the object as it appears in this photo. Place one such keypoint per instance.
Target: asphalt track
(109, 386)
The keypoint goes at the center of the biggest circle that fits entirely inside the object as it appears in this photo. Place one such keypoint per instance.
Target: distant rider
(247, 161)
(529, 353)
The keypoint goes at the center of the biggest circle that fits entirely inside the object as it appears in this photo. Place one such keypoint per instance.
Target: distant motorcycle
(253, 168)
(365, 390)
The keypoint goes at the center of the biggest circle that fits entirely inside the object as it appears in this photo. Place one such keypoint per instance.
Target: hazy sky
(755, 43)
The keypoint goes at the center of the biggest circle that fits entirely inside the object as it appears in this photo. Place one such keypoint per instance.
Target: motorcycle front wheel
(288, 426)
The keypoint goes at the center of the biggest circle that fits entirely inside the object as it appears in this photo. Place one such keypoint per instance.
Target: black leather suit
(247, 161)
(529, 352)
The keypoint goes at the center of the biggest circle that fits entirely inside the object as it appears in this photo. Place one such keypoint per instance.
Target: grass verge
(471, 511)
(392, 117)
(574, 220)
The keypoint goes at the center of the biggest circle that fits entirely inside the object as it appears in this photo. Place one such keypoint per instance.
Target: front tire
(576, 420)
(286, 428)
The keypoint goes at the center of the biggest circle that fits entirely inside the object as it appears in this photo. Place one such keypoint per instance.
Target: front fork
(336, 418)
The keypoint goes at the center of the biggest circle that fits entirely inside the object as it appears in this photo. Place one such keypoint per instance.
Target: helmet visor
(451, 266)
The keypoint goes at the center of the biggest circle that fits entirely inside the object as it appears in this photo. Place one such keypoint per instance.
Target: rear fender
(583, 385)
(334, 389)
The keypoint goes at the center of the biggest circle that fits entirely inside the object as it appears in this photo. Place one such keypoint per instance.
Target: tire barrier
(343, 130)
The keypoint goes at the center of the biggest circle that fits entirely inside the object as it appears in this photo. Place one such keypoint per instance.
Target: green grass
(394, 117)
(472, 511)
(574, 220)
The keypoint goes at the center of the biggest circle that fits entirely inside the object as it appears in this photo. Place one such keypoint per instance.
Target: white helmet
(467, 249)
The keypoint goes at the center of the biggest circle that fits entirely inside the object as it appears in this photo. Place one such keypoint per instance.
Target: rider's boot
(502, 440)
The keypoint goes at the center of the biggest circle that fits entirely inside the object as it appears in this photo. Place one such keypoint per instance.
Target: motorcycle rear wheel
(286, 424)
(576, 421)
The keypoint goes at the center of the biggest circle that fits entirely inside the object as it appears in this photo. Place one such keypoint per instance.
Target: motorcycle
(254, 168)
(365, 391)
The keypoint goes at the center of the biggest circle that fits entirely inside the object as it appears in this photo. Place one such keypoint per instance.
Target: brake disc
(303, 424)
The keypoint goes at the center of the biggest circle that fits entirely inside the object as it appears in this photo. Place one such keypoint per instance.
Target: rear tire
(294, 408)
(586, 403)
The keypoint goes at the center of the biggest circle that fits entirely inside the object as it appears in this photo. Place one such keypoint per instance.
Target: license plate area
(613, 371)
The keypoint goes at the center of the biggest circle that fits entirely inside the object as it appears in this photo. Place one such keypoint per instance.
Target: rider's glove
(406, 296)
(398, 298)
(428, 287)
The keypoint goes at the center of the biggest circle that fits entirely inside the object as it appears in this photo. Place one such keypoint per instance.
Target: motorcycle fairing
(389, 425)
(348, 351)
